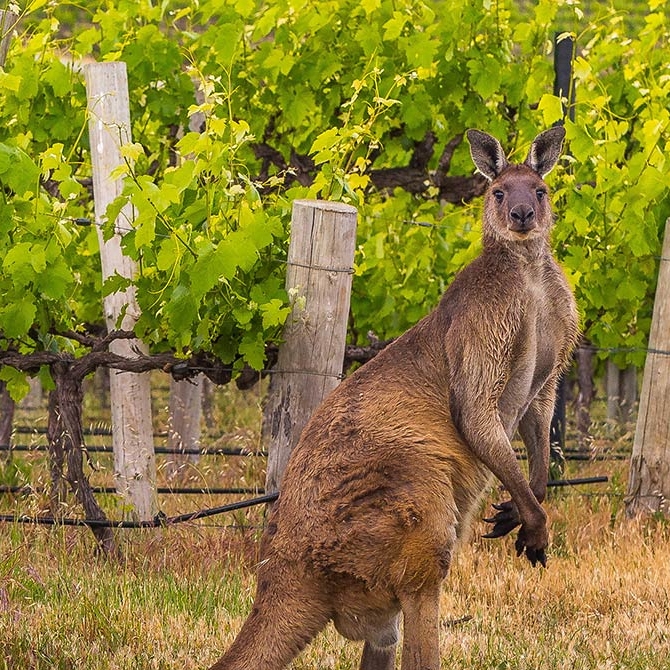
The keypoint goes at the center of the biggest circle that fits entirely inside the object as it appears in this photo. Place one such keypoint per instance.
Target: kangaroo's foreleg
(534, 428)
(488, 439)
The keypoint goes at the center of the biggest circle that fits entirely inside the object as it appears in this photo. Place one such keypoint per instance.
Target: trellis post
(649, 479)
(7, 22)
(130, 393)
(186, 396)
(320, 259)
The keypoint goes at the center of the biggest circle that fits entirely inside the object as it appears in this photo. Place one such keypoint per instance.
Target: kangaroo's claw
(535, 556)
(504, 521)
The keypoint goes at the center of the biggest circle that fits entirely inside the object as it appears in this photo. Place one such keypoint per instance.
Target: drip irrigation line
(244, 491)
(107, 449)
(596, 457)
(581, 456)
(568, 454)
(626, 350)
(577, 482)
(213, 511)
(159, 521)
(175, 490)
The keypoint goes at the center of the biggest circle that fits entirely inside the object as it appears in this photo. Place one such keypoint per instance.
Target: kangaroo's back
(390, 467)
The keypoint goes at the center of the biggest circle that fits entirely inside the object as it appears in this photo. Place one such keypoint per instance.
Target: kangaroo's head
(516, 205)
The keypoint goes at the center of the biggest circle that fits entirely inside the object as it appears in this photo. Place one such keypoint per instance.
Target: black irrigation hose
(214, 451)
(583, 456)
(242, 491)
(576, 482)
(160, 520)
(176, 490)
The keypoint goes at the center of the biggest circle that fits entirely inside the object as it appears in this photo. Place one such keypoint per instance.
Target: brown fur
(390, 468)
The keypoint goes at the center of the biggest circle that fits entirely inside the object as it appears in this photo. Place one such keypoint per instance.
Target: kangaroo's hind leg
(379, 649)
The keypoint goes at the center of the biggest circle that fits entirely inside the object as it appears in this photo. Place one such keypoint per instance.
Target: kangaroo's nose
(522, 219)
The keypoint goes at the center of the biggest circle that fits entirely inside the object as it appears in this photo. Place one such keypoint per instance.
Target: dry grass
(603, 602)
(181, 593)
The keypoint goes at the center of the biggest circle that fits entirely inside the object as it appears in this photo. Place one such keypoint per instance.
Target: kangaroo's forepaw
(533, 554)
(504, 521)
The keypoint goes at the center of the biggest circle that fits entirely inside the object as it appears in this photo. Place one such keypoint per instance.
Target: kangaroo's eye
(498, 195)
(540, 193)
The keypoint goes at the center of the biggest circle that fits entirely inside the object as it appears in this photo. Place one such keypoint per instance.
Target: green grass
(63, 607)
(181, 594)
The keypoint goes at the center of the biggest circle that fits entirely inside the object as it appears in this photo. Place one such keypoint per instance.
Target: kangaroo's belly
(533, 364)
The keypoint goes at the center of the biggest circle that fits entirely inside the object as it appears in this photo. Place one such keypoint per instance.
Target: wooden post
(621, 392)
(132, 431)
(321, 252)
(7, 22)
(184, 426)
(585, 395)
(628, 393)
(649, 480)
(613, 390)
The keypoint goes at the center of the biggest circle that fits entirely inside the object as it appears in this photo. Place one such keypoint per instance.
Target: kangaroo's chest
(541, 346)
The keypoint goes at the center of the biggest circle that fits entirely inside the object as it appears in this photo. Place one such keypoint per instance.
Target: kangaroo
(392, 466)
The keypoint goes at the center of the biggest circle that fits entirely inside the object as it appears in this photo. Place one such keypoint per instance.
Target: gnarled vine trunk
(58, 491)
(6, 416)
(67, 448)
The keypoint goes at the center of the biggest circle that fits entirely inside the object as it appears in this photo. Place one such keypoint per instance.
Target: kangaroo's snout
(522, 219)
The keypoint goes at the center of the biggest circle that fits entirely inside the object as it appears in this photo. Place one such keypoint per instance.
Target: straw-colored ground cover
(181, 594)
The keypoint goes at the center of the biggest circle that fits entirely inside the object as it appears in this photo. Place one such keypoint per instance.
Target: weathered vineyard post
(320, 259)
(585, 394)
(621, 392)
(186, 396)
(7, 22)
(185, 412)
(130, 393)
(649, 481)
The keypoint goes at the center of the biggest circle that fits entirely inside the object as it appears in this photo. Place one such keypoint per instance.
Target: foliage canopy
(365, 102)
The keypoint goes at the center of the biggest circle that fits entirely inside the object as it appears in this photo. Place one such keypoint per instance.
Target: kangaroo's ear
(487, 154)
(545, 150)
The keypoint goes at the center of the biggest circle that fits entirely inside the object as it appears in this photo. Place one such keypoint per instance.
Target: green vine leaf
(238, 108)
